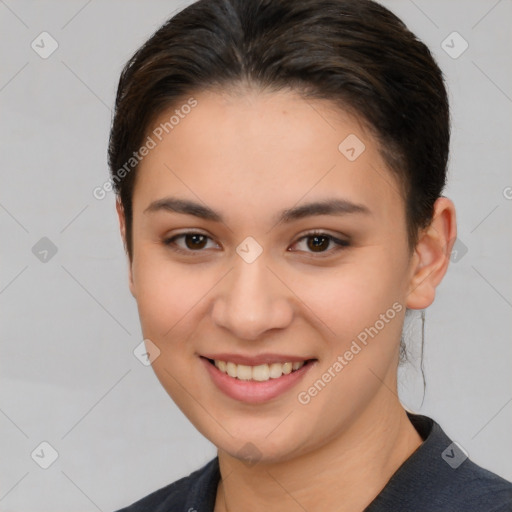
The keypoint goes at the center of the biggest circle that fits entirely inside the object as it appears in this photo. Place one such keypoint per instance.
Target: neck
(343, 475)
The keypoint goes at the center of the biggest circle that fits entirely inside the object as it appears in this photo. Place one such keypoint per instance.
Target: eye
(194, 242)
(318, 242)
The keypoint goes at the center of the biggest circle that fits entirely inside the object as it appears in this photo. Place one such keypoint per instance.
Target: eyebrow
(333, 206)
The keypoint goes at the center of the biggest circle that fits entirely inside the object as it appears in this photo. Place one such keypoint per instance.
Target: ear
(122, 228)
(432, 255)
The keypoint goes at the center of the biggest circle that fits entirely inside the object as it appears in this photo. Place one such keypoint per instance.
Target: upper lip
(256, 360)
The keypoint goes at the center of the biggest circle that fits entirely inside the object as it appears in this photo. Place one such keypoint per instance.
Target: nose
(252, 299)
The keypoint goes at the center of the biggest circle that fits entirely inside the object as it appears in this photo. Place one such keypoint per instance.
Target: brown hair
(355, 53)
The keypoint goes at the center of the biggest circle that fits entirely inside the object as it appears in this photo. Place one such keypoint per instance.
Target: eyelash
(341, 244)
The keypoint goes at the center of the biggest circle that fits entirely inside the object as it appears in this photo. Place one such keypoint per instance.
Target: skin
(249, 155)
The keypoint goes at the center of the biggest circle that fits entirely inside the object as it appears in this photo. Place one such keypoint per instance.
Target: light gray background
(69, 325)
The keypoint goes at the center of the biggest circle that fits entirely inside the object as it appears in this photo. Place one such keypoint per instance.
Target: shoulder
(460, 482)
(477, 489)
(195, 491)
(440, 477)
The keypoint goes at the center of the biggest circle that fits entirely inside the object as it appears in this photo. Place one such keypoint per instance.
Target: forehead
(257, 152)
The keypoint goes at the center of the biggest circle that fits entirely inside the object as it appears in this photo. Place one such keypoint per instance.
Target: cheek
(166, 293)
(350, 297)
(361, 304)
(344, 298)
(169, 300)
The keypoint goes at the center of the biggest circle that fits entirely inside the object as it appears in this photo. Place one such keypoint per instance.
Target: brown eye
(319, 243)
(193, 242)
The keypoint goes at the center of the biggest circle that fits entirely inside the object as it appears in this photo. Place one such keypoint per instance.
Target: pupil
(197, 241)
(315, 245)
(196, 238)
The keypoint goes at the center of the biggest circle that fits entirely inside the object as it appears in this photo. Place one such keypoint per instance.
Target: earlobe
(432, 255)
(122, 228)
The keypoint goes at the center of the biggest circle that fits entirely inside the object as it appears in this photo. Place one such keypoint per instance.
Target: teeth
(287, 368)
(243, 372)
(231, 369)
(276, 370)
(261, 373)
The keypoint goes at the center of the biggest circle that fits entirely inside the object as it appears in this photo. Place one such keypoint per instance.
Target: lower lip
(251, 391)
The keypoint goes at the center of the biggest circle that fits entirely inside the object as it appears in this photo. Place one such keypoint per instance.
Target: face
(262, 235)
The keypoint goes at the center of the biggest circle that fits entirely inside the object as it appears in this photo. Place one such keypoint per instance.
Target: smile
(257, 383)
(260, 373)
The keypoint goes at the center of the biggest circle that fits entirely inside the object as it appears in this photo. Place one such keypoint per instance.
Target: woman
(279, 167)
